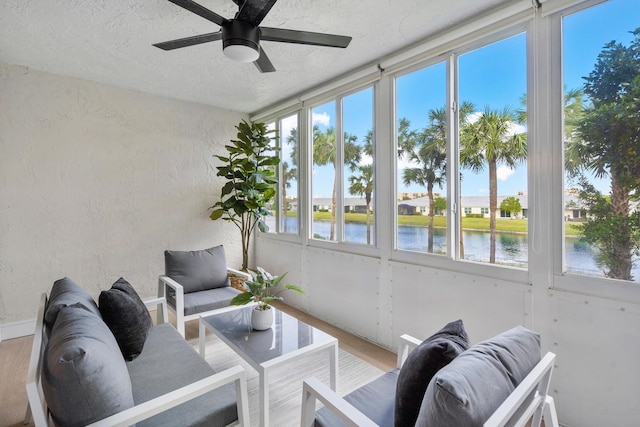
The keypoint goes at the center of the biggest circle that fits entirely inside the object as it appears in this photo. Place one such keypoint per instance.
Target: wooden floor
(14, 361)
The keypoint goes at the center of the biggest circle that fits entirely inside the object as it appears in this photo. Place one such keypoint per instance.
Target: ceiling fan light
(241, 52)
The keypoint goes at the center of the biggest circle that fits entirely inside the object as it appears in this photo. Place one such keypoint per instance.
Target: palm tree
(431, 158)
(324, 153)
(362, 184)
(487, 142)
(288, 175)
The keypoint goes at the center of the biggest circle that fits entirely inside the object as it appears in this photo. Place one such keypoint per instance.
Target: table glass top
(287, 334)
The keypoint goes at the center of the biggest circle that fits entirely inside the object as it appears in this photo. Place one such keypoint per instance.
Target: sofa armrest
(312, 389)
(235, 272)
(163, 282)
(36, 409)
(542, 405)
(169, 400)
(161, 315)
(406, 345)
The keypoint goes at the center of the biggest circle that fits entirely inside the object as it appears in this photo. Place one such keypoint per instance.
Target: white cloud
(504, 172)
(322, 119)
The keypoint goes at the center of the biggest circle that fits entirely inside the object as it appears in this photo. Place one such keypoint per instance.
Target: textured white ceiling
(111, 42)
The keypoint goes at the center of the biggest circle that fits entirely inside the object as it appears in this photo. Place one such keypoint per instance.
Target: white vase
(261, 319)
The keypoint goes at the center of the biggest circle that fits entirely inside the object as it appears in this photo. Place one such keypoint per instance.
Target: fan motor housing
(236, 32)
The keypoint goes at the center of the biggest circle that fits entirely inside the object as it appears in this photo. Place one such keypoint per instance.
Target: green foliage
(251, 179)
(260, 289)
(512, 205)
(440, 204)
(472, 215)
(608, 145)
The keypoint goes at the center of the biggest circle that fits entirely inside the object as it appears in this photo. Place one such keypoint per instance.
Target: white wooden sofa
(498, 404)
(167, 384)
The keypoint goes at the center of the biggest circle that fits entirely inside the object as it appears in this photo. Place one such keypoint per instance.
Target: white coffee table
(288, 338)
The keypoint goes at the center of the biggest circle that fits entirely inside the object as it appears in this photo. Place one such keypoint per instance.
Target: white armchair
(519, 404)
(196, 282)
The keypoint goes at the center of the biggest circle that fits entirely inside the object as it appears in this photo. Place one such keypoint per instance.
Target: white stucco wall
(96, 182)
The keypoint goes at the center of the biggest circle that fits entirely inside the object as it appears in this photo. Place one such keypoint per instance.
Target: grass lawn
(508, 225)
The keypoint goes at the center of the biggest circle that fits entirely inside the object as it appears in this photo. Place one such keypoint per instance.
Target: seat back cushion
(469, 389)
(421, 365)
(127, 316)
(84, 377)
(66, 292)
(197, 270)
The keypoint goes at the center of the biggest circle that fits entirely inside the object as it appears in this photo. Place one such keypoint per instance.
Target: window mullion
(339, 172)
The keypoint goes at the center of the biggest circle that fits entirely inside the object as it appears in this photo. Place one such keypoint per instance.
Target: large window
(324, 185)
(492, 164)
(422, 160)
(286, 218)
(601, 68)
(493, 152)
(357, 122)
(342, 150)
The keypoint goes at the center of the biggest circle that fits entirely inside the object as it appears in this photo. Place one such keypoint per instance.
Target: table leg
(333, 366)
(264, 398)
(201, 337)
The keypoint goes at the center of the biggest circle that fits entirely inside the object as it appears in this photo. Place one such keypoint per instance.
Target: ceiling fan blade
(263, 63)
(189, 41)
(303, 37)
(254, 11)
(194, 7)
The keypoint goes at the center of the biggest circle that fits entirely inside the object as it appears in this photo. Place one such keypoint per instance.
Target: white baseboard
(17, 329)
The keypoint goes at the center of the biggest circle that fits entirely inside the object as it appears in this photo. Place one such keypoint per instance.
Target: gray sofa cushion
(374, 399)
(197, 270)
(468, 390)
(84, 377)
(202, 301)
(422, 364)
(63, 293)
(126, 315)
(168, 362)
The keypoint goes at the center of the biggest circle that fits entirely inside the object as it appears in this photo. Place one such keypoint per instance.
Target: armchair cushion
(469, 389)
(197, 270)
(371, 399)
(63, 293)
(84, 377)
(422, 364)
(211, 299)
(127, 316)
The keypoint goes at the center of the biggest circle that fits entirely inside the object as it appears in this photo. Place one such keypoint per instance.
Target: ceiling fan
(241, 35)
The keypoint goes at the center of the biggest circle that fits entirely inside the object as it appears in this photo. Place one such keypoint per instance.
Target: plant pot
(261, 319)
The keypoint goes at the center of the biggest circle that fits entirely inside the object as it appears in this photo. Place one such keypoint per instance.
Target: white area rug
(285, 387)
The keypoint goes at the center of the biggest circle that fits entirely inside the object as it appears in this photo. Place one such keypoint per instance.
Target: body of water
(511, 249)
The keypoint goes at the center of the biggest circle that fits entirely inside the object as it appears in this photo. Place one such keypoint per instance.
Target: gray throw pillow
(197, 270)
(84, 377)
(469, 389)
(126, 315)
(421, 365)
(66, 292)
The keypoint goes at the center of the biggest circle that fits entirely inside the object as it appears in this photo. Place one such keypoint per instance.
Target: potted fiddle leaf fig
(260, 290)
(250, 170)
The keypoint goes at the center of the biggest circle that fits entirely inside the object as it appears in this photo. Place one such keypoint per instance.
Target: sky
(493, 76)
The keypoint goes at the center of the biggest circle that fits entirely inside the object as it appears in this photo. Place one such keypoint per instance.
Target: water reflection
(511, 249)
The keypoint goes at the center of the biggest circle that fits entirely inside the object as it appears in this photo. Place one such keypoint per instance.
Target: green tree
(486, 142)
(362, 184)
(324, 153)
(440, 205)
(608, 145)
(430, 155)
(512, 205)
(288, 175)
